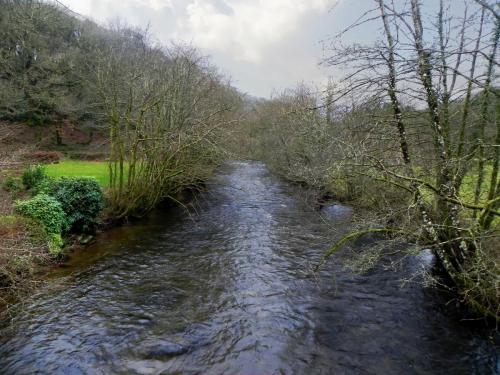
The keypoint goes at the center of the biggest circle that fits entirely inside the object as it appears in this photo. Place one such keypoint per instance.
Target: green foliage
(12, 184)
(55, 243)
(33, 176)
(43, 187)
(47, 210)
(81, 199)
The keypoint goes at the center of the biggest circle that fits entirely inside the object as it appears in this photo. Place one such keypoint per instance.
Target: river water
(227, 289)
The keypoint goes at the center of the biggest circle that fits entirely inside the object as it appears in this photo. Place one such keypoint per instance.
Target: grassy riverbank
(80, 168)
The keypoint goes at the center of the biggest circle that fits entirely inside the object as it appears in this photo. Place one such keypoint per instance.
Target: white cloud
(261, 44)
(104, 10)
(243, 28)
(156, 4)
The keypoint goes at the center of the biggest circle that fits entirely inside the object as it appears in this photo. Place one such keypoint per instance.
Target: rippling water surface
(227, 290)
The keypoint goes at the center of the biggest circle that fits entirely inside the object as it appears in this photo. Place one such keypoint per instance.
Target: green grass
(78, 168)
(468, 188)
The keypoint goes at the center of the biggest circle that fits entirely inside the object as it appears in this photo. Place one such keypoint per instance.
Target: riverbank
(26, 255)
(383, 213)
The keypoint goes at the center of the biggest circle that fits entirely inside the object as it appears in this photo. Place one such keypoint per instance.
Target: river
(228, 289)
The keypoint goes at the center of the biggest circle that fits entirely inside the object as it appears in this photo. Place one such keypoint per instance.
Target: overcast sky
(263, 45)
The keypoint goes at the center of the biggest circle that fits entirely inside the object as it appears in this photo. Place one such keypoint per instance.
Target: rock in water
(85, 239)
(162, 349)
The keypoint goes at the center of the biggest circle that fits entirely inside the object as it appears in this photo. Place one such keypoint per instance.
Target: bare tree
(408, 68)
(165, 109)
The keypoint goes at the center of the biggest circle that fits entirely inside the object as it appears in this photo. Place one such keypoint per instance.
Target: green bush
(43, 187)
(81, 199)
(33, 176)
(47, 210)
(55, 243)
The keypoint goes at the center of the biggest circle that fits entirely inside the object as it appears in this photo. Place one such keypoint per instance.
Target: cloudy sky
(263, 45)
